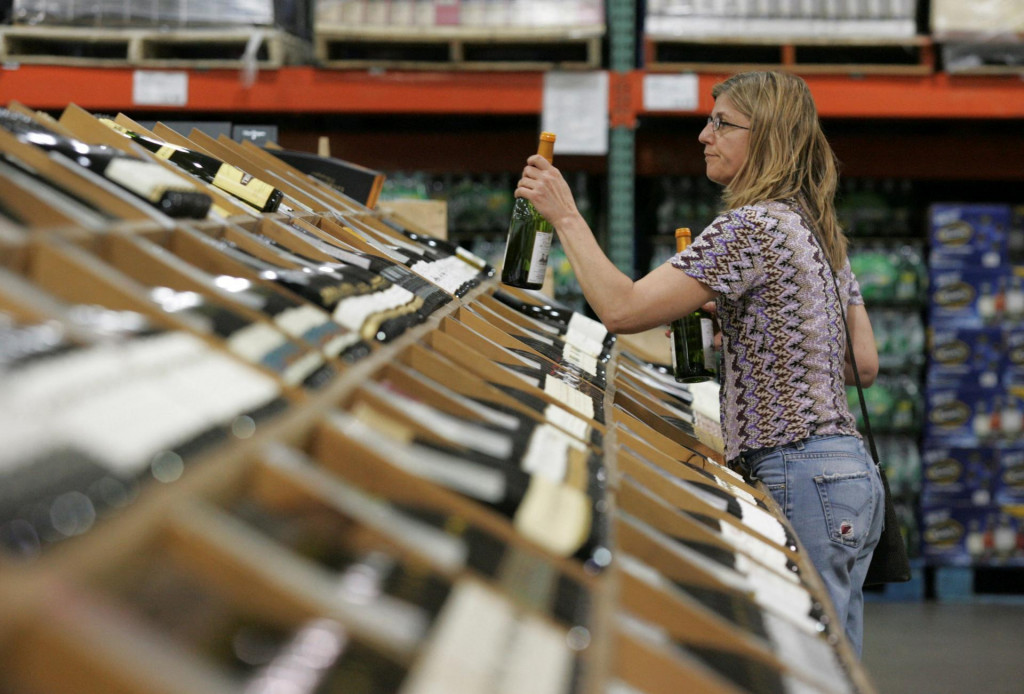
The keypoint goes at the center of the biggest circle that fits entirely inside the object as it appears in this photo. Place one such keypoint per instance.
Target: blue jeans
(832, 494)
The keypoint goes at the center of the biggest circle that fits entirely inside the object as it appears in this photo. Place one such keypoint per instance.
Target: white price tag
(159, 88)
(576, 110)
(671, 92)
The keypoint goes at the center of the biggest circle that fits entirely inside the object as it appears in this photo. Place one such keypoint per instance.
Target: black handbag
(889, 563)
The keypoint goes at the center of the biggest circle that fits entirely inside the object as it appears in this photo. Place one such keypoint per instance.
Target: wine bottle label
(255, 341)
(454, 429)
(586, 333)
(481, 645)
(242, 185)
(165, 152)
(547, 454)
(735, 490)
(810, 655)
(707, 336)
(354, 311)
(144, 178)
(299, 320)
(474, 260)
(539, 257)
(575, 355)
(763, 523)
(555, 516)
(471, 479)
(770, 586)
(759, 550)
(529, 578)
(567, 422)
(569, 396)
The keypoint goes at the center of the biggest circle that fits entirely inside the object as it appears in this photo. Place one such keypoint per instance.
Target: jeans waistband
(745, 460)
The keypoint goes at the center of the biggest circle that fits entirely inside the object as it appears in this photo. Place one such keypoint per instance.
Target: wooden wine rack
(64, 627)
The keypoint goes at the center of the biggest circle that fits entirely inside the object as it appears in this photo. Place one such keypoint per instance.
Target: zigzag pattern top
(783, 338)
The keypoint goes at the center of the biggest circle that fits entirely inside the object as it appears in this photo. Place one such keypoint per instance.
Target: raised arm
(622, 304)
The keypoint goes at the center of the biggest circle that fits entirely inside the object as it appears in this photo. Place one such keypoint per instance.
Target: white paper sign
(671, 92)
(576, 110)
(159, 88)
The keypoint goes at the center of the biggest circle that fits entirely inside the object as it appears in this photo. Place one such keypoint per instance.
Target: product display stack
(972, 498)
(259, 437)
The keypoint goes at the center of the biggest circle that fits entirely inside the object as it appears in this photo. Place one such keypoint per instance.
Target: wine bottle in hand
(693, 357)
(529, 236)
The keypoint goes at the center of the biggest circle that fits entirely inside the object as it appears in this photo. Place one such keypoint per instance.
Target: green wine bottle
(249, 189)
(529, 236)
(693, 356)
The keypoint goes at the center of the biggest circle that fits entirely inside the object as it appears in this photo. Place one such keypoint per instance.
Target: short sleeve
(727, 255)
(850, 280)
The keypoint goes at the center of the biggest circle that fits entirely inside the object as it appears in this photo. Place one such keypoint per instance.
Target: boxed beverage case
(1008, 484)
(966, 415)
(968, 535)
(1013, 346)
(968, 297)
(966, 355)
(957, 475)
(968, 235)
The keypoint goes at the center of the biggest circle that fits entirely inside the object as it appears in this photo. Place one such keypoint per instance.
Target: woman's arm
(864, 347)
(623, 305)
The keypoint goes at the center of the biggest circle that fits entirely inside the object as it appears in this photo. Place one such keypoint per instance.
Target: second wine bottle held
(693, 356)
(529, 236)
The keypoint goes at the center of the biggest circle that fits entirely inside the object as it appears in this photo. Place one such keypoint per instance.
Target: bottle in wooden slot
(173, 195)
(576, 329)
(529, 236)
(693, 355)
(251, 190)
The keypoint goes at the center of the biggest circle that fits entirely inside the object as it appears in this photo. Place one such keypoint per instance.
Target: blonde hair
(788, 155)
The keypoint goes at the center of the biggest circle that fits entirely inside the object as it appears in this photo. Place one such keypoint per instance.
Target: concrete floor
(937, 648)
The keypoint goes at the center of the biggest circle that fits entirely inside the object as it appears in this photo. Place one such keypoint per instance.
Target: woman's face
(725, 150)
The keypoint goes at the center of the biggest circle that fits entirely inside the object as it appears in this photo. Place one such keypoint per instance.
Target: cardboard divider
(689, 622)
(366, 469)
(121, 206)
(468, 356)
(685, 469)
(656, 669)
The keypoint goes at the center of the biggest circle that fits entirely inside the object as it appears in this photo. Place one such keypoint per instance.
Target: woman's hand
(543, 185)
(712, 308)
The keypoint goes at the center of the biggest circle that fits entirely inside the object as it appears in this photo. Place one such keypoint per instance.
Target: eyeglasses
(716, 124)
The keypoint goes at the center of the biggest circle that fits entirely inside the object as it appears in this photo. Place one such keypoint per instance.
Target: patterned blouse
(783, 338)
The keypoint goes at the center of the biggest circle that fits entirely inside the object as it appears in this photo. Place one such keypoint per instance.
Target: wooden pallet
(191, 48)
(844, 55)
(459, 48)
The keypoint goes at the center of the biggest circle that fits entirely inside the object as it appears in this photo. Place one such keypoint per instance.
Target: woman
(768, 263)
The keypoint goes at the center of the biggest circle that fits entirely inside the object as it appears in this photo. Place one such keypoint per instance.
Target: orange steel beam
(308, 89)
(284, 90)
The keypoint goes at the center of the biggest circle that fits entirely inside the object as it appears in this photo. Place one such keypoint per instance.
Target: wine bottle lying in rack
(444, 246)
(769, 589)
(257, 343)
(173, 195)
(246, 643)
(263, 197)
(797, 648)
(432, 295)
(563, 387)
(450, 272)
(586, 333)
(556, 516)
(402, 307)
(742, 671)
(84, 425)
(378, 311)
(445, 540)
(299, 319)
